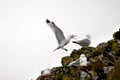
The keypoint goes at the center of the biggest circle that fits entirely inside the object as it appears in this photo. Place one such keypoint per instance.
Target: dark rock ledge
(104, 63)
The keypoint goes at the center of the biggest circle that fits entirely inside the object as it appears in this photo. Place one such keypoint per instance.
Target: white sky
(27, 43)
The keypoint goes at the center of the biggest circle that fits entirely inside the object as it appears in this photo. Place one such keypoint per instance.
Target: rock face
(104, 63)
(116, 35)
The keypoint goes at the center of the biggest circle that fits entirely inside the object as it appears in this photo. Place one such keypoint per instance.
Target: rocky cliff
(104, 63)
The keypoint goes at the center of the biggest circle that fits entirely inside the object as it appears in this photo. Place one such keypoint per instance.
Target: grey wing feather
(58, 33)
(78, 61)
(84, 42)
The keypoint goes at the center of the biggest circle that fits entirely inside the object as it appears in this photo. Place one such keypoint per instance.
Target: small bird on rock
(84, 42)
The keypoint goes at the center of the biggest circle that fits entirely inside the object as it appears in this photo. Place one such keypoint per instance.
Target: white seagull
(62, 41)
(82, 61)
(45, 72)
(84, 42)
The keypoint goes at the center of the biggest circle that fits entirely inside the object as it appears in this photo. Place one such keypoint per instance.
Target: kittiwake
(83, 60)
(62, 41)
(45, 72)
(84, 42)
(75, 63)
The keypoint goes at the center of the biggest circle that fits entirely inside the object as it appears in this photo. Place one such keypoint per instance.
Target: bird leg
(65, 49)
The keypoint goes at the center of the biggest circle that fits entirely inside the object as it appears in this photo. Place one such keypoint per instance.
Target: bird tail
(56, 49)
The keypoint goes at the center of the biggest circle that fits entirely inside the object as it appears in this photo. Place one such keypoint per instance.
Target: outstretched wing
(57, 31)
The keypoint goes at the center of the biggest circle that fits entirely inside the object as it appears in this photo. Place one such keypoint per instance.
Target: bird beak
(75, 36)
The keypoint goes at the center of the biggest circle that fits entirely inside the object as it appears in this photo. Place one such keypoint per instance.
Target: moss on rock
(104, 63)
(102, 48)
(117, 70)
(66, 60)
(75, 54)
(116, 35)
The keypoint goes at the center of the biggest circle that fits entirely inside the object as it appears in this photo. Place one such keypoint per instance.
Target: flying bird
(62, 41)
(84, 42)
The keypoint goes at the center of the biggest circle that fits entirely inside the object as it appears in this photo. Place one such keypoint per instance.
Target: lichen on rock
(103, 63)
(66, 60)
(116, 35)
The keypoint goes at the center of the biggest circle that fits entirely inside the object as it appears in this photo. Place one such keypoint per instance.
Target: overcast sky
(27, 42)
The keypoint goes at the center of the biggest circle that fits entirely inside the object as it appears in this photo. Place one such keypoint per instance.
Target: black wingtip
(47, 21)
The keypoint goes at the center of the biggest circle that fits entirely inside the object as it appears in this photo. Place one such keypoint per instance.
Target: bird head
(88, 36)
(82, 55)
(73, 36)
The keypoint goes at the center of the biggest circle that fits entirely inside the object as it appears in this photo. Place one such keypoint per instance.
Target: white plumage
(83, 60)
(62, 41)
(45, 72)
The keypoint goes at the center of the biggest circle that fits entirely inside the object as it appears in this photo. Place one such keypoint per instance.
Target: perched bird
(74, 63)
(45, 72)
(62, 41)
(84, 42)
(83, 60)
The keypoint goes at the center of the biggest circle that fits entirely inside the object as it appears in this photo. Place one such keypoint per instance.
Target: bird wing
(78, 61)
(84, 42)
(58, 32)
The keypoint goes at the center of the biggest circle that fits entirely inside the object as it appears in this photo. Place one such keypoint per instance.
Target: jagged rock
(107, 69)
(96, 65)
(87, 50)
(116, 35)
(75, 54)
(58, 73)
(74, 70)
(117, 69)
(102, 48)
(111, 75)
(111, 56)
(66, 60)
(114, 74)
(84, 76)
(118, 42)
(44, 77)
(112, 44)
(94, 75)
(66, 77)
(104, 63)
